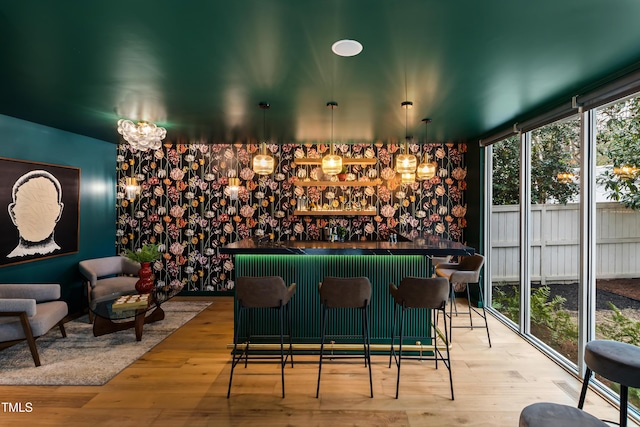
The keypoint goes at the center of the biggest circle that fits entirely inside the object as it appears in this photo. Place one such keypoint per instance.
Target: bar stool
(346, 292)
(616, 361)
(262, 292)
(467, 271)
(547, 414)
(437, 260)
(420, 293)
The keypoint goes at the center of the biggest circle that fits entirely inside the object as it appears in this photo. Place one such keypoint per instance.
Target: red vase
(145, 284)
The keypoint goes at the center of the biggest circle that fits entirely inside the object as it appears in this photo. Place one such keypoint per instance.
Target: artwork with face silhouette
(44, 217)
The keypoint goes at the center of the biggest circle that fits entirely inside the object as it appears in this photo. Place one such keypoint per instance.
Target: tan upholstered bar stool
(262, 292)
(427, 294)
(466, 271)
(346, 292)
(437, 260)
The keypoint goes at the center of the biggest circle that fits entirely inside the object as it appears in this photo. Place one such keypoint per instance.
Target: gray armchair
(108, 275)
(28, 311)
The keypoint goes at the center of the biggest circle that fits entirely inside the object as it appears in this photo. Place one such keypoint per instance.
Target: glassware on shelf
(302, 203)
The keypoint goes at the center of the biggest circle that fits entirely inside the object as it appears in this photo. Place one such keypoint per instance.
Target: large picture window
(618, 226)
(552, 188)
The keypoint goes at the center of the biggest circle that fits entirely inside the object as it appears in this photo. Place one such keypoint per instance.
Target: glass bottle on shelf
(302, 203)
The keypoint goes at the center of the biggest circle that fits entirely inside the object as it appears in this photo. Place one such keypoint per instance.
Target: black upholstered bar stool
(545, 414)
(616, 361)
(420, 293)
(262, 292)
(346, 292)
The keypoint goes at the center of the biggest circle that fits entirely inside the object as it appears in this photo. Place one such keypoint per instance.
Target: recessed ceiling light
(346, 47)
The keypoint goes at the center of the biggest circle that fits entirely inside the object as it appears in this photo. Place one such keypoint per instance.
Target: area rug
(81, 358)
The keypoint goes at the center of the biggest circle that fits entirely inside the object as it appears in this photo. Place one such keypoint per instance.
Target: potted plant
(145, 256)
(342, 233)
(342, 176)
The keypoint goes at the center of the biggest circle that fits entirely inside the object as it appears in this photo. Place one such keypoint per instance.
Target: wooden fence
(556, 239)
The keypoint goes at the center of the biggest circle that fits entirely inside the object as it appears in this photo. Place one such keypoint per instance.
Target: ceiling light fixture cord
(406, 129)
(331, 142)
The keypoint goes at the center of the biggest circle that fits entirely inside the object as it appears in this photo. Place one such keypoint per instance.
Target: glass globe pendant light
(426, 169)
(263, 164)
(131, 188)
(331, 163)
(406, 163)
(408, 178)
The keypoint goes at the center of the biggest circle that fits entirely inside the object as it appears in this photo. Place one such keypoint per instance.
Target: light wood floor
(183, 382)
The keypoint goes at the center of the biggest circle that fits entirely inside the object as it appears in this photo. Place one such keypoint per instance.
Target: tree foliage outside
(554, 149)
(619, 145)
(506, 171)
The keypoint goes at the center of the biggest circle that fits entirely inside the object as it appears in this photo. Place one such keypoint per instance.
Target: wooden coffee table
(109, 320)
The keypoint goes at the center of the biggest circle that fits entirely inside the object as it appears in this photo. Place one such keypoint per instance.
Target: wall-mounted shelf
(345, 161)
(335, 212)
(371, 183)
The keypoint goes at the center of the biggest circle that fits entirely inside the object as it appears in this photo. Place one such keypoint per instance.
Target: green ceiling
(200, 67)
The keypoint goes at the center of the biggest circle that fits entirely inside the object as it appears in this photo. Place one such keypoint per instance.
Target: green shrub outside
(552, 314)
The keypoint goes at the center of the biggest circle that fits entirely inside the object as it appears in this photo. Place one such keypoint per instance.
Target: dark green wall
(97, 162)
(474, 197)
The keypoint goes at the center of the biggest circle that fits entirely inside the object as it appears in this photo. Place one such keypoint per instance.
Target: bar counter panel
(306, 263)
(308, 271)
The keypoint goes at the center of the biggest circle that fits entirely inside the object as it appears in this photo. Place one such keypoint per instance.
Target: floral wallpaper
(185, 205)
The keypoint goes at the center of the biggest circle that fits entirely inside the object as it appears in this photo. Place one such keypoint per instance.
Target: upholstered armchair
(28, 311)
(108, 275)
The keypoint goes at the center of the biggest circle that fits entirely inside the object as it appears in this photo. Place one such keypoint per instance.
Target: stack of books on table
(131, 302)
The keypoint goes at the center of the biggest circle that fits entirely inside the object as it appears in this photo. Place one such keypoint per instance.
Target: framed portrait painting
(39, 210)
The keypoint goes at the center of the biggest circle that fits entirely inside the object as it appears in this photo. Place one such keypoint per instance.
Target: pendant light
(233, 187)
(626, 171)
(406, 163)
(564, 177)
(143, 135)
(263, 164)
(332, 163)
(131, 186)
(426, 169)
(408, 178)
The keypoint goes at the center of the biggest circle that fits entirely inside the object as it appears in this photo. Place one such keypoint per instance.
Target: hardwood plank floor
(183, 382)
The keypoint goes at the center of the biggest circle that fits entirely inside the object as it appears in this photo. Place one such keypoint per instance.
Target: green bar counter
(307, 262)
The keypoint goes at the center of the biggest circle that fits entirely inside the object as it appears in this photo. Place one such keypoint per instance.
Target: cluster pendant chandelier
(331, 163)
(264, 164)
(142, 136)
(426, 169)
(406, 163)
